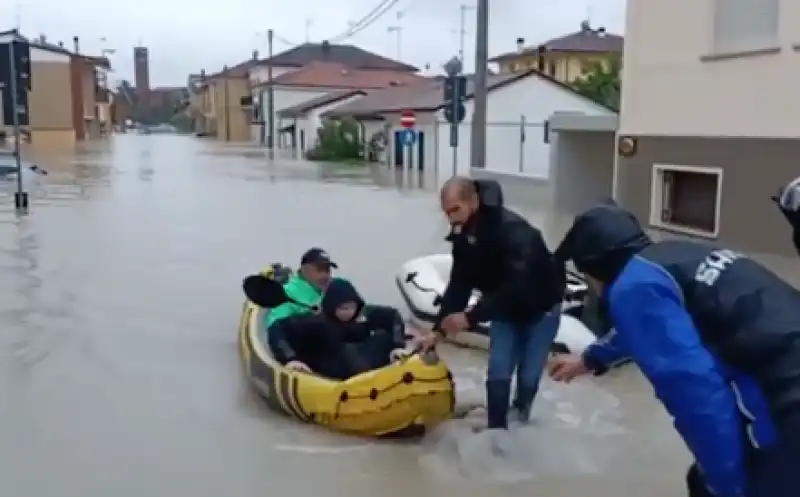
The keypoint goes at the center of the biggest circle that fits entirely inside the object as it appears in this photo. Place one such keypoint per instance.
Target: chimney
(61, 44)
(42, 39)
(255, 54)
(520, 45)
(326, 47)
(601, 32)
(76, 44)
(202, 74)
(585, 26)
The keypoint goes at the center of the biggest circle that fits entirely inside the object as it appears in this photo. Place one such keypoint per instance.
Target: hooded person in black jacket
(345, 338)
(499, 253)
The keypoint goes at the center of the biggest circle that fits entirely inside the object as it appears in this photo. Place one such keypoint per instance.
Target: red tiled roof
(303, 108)
(429, 97)
(240, 70)
(335, 75)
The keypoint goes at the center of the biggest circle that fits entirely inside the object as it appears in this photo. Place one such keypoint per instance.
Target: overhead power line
(366, 21)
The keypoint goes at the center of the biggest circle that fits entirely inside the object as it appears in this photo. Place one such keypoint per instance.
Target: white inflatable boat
(422, 281)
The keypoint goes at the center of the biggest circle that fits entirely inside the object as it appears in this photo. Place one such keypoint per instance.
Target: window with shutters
(686, 199)
(745, 25)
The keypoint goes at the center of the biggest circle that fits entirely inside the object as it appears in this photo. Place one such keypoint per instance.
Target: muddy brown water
(119, 299)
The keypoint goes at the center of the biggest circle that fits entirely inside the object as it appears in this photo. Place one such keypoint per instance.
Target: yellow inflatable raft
(402, 399)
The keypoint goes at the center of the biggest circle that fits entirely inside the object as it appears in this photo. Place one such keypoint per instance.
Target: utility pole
(309, 22)
(462, 32)
(478, 143)
(270, 98)
(398, 31)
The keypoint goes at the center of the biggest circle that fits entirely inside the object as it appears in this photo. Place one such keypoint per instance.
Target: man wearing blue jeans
(524, 347)
(499, 253)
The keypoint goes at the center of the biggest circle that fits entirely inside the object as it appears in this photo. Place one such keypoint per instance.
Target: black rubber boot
(523, 402)
(497, 394)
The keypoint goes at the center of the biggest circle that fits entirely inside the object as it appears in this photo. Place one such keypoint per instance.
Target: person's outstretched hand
(565, 368)
(298, 366)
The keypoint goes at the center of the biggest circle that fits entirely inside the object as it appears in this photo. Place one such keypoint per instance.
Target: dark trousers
(773, 472)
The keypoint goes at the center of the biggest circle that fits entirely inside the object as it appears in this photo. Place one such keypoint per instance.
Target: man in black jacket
(500, 254)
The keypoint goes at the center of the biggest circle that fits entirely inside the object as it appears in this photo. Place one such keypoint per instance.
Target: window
(551, 69)
(686, 199)
(743, 25)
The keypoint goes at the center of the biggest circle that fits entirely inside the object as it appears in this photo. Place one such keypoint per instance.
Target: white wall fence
(516, 148)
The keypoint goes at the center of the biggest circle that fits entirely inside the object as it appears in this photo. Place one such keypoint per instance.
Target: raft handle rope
(412, 278)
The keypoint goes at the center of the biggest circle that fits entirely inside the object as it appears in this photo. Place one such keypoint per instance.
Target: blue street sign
(408, 136)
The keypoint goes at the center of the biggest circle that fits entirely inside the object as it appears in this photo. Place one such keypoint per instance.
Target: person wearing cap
(715, 333)
(788, 201)
(304, 289)
(499, 253)
(305, 334)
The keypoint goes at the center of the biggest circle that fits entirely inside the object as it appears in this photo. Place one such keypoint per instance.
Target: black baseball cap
(317, 256)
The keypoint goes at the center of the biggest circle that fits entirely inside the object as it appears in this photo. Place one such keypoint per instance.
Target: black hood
(490, 193)
(602, 240)
(340, 291)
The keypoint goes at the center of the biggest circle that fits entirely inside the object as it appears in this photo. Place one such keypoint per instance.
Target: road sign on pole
(408, 119)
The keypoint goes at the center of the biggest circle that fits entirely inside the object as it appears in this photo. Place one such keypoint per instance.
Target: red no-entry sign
(408, 119)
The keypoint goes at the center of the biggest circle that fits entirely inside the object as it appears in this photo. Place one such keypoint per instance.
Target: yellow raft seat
(406, 398)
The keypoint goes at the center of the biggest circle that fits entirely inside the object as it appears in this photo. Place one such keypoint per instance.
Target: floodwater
(119, 299)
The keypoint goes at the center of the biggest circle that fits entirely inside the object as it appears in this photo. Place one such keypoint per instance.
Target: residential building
(63, 99)
(709, 124)
(233, 103)
(565, 58)
(225, 103)
(518, 108)
(312, 70)
(305, 119)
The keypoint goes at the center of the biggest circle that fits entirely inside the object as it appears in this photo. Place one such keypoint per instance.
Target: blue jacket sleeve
(655, 328)
(604, 354)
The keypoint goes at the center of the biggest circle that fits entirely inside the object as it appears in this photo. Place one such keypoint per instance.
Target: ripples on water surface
(118, 366)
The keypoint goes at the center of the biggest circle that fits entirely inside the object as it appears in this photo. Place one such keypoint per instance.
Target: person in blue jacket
(718, 337)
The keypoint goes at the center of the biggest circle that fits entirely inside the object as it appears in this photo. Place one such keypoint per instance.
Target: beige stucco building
(710, 117)
(64, 101)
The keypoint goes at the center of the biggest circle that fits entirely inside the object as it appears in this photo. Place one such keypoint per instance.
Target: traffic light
(16, 55)
(22, 63)
(455, 90)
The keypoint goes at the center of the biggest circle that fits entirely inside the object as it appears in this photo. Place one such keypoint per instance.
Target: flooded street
(118, 367)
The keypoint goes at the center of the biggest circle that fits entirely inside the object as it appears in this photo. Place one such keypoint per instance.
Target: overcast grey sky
(186, 35)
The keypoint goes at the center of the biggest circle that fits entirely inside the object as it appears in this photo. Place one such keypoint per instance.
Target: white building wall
(517, 110)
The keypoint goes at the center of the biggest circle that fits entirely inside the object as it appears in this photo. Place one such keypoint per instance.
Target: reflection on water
(119, 302)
